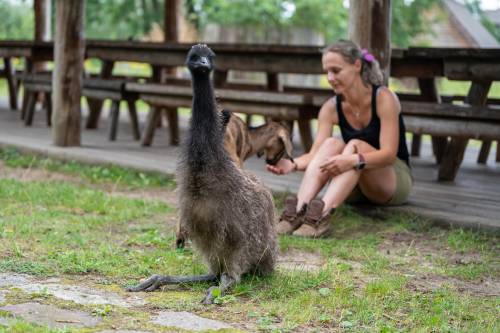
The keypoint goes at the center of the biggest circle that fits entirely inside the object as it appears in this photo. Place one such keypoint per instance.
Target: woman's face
(340, 74)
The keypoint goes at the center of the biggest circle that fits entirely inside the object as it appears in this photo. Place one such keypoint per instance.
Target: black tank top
(371, 133)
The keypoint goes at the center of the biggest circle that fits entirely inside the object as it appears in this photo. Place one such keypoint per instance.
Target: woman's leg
(378, 185)
(314, 179)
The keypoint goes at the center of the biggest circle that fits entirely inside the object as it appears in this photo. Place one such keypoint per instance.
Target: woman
(371, 160)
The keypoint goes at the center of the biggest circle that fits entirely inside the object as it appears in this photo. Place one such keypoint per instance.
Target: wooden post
(68, 72)
(370, 28)
(42, 20)
(454, 153)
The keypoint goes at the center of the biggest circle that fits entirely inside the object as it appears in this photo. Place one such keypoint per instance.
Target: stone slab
(12, 279)
(51, 316)
(4, 321)
(122, 331)
(83, 295)
(2, 296)
(187, 321)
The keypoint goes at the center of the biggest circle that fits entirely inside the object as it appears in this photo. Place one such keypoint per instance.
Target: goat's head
(279, 145)
(200, 59)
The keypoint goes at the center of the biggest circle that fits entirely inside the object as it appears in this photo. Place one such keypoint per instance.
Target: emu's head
(200, 59)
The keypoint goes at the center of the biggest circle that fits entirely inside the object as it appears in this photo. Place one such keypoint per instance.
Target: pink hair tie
(367, 55)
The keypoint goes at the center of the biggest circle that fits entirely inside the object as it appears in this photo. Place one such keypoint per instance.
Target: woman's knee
(356, 145)
(331, 146)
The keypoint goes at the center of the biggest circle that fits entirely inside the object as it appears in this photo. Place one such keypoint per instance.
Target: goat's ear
(226, 116)
(287, 125)
(285, 137)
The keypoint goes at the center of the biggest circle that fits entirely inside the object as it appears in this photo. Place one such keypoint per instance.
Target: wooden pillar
(454, 153)
(370, 28)
(68, 72)
(42, 20)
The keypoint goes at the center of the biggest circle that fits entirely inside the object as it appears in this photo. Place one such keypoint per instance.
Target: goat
(272, 139)
(227, 212)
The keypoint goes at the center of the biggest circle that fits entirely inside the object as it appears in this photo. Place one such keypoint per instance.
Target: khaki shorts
(404, 182)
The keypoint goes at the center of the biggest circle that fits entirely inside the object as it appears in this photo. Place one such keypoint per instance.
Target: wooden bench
(302, 104)
(97, 89)
(277, 105)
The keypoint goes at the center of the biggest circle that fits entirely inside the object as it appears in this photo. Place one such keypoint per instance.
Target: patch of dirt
(35, 174)
(418, 250)
(299, 260)
(167, 196)
(431, 282)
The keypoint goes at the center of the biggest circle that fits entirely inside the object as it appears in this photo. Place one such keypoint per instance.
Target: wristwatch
(361, 162)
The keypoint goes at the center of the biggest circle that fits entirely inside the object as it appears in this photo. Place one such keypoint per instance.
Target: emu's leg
(156, 281)
(226, 282)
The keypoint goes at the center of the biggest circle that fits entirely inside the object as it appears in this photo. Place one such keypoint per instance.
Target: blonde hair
(350, 51)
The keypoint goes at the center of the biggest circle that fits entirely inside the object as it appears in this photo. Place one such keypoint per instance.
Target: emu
(227, 212)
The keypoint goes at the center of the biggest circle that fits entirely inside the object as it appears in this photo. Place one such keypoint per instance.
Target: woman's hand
(283, 167)
(338, 164)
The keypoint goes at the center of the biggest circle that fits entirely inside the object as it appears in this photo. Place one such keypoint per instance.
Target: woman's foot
(315, 224)
(290, 220)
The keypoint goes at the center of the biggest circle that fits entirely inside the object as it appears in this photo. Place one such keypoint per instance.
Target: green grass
(109, 173)
(370, 280)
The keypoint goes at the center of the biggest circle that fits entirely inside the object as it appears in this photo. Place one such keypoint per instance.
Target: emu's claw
(151, 284)
(180, 242)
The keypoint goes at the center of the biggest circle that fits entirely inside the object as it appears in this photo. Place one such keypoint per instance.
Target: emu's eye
(193, 58)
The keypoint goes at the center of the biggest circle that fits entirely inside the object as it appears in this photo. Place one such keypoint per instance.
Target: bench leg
(484, 152)
(154, 116)
(9, 74)
(438, 147)
(48, 108)
(305, 134)
(114, 119)
(30, 108)
(132, 111)
(94, 113)
(249, 120)
(452, 158)
(173, 125)
(416, 143)
(497, 159)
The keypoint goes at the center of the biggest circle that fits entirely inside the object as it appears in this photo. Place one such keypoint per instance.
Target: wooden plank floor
(472, 200)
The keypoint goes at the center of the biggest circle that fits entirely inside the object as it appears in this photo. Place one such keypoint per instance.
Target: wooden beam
(370, 27)
(68, 72)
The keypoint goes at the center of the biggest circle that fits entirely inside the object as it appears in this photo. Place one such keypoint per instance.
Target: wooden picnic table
(479, 66)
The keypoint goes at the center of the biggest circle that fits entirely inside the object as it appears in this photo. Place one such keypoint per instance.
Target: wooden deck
(473, 200)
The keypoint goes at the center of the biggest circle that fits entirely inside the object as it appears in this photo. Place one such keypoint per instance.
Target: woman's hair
(350, 51)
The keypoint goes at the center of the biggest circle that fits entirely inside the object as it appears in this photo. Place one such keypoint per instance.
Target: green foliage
(409, 20)
(17, 20)
(121, 19)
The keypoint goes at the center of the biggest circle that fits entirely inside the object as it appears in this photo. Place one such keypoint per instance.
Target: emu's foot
(180, 242)
(212, 293)
(151, 284)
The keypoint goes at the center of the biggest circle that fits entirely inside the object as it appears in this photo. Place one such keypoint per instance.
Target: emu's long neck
(206, 139)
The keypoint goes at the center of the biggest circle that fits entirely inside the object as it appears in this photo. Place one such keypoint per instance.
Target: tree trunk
(68, 72)
(370, 28)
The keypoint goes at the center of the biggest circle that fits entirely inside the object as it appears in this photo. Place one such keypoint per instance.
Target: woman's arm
(388, 109)
(327, 117)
